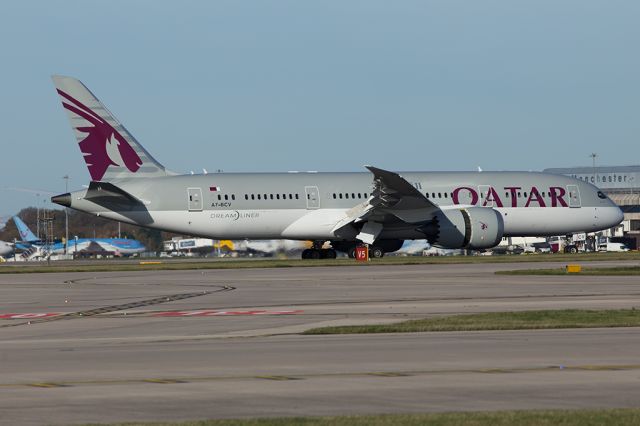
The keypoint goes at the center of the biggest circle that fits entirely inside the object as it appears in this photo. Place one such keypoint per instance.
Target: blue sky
(325, 85)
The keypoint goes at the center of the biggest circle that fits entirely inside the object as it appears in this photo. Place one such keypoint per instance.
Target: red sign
(362, 253)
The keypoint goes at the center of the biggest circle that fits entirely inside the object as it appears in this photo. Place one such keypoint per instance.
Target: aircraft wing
(393, 202)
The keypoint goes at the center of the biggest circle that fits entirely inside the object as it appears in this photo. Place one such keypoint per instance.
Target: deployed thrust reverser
(470, 228)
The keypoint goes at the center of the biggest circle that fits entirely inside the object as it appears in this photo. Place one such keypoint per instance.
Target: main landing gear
(317, 252)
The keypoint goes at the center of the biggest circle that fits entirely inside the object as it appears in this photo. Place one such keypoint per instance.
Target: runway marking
(279, 378)
(164, 381)
(389, 374)
(30, 315)
(47, 385)
(557, 369)
(212, 313)
(122, 307)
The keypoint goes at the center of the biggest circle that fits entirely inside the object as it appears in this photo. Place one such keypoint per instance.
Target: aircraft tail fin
(25, 233)
(109, 150)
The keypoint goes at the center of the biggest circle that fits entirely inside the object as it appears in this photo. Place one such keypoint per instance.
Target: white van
(612, 247)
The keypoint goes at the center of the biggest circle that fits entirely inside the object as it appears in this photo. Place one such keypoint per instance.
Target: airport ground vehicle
(612, 246)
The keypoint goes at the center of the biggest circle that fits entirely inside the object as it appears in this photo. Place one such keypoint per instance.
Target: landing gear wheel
(352, 253)
(376, 252)
(315, 254)
(305, 254)
(328, 254)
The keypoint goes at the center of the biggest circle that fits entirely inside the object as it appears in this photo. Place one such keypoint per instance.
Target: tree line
(83, 225)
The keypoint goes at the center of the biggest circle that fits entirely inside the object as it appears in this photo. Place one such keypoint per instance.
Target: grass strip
(107, 265)
(620, 270)
(603, 417)
(566, 318)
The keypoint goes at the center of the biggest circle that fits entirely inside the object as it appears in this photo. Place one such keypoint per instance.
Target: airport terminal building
(622, 185)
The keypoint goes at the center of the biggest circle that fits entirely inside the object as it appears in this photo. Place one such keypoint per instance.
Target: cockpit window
(601, 195)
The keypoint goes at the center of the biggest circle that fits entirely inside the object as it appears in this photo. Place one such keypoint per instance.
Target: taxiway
(163, 345)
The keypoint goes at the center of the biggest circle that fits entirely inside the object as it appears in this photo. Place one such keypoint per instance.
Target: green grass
(620, 270)
(568, 318)
(119, 265)
(612, 417)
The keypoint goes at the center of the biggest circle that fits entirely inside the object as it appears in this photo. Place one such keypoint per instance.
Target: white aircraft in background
(457, 210)
(6, 248)
(413, 247)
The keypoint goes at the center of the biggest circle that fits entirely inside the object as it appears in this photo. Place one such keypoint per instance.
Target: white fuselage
(308, 206)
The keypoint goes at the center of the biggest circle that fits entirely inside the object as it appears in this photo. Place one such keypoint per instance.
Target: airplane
(5, 248)
(26, 236)
(121, 246)
(457, 210)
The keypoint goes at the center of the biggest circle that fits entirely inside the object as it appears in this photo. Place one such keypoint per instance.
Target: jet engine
(469, 228)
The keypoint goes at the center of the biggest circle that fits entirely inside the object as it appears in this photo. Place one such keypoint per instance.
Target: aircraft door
(313, 197)
(574, 196)
(194, 199)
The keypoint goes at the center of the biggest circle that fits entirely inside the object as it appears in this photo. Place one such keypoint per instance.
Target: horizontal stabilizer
(100, 192)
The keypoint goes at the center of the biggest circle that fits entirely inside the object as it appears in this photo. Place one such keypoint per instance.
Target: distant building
(621, 184)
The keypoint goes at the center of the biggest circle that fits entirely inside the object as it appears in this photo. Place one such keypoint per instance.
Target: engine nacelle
(470, 228)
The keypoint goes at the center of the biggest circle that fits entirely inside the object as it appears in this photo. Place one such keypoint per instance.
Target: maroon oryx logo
(103, 146)
(483, 225)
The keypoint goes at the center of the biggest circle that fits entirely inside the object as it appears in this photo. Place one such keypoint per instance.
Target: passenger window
(246, 197)
(277, 196)
(506, 194)
(439, 195)
(252, 197)
(259, 197)
(219, 197)
(290, 197)
(271, 196)
(297, 197)
(446, 195)
(353, 195)
(340, 195)
(525, 195)
(233, 196)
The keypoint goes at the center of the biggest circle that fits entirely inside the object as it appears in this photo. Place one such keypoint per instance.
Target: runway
(165, 345)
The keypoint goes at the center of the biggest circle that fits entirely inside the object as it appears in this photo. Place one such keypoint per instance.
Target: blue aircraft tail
(25, 232)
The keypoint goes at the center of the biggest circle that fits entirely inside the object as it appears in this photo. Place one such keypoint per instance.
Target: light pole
(38, 215)
(66, 216)
(593, 157)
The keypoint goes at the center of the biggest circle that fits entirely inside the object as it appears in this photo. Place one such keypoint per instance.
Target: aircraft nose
(613, 216)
